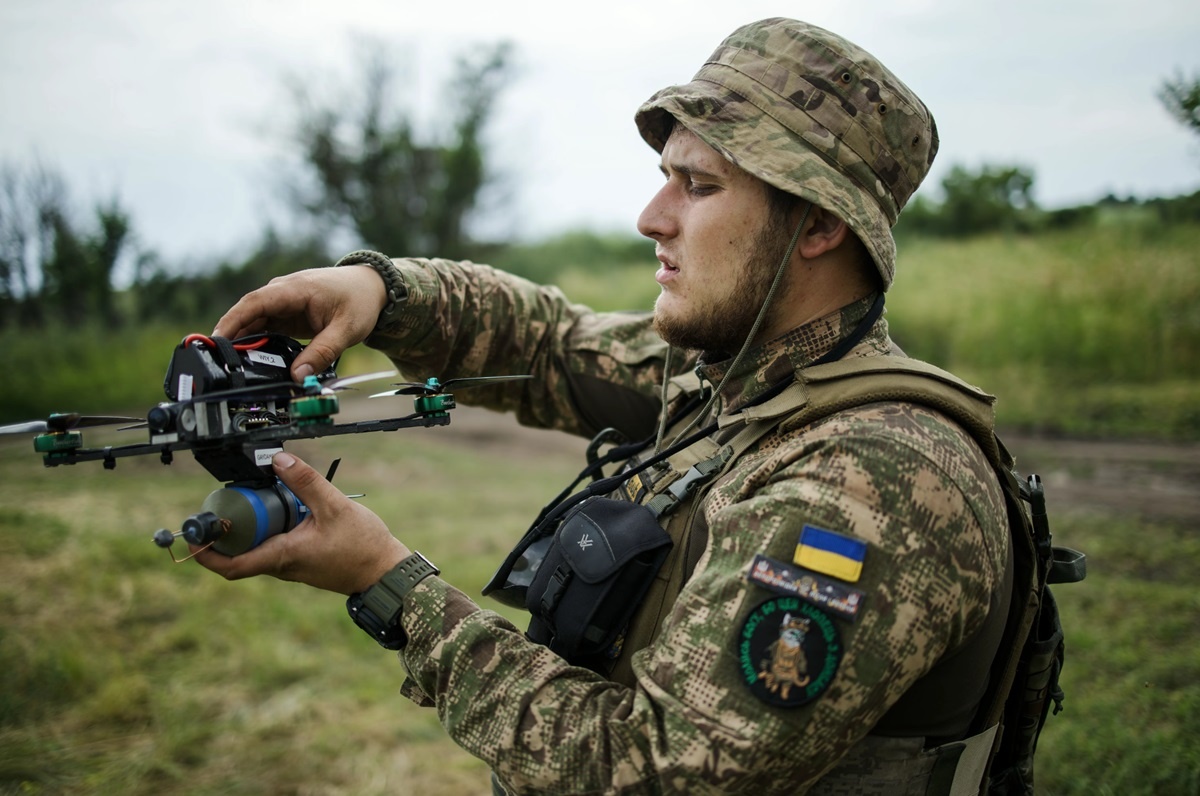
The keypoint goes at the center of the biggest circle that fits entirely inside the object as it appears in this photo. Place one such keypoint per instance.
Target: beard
(721, 325)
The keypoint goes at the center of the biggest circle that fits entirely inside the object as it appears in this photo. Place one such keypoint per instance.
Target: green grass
(101, 370)
(1092, 332)
(1087, 332)
(1132, 675)
(125, 673)
(93, 370)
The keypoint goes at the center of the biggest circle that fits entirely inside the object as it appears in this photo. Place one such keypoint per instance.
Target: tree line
(365, 171)
(368, 173)
(1000, 199)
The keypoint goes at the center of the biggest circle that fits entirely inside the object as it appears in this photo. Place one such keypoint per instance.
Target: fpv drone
(232, 403)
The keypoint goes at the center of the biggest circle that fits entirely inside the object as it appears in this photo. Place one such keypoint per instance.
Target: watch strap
(386, 598)
(378, 610)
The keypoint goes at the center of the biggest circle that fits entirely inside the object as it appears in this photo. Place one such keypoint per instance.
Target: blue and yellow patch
(830, 553)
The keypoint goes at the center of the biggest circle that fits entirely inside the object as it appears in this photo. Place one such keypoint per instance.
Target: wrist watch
(377, 610)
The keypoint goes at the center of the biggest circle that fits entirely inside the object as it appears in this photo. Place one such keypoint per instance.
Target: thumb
(329, 344)
(306, 483)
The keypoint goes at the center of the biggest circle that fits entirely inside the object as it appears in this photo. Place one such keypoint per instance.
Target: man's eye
(700, 189)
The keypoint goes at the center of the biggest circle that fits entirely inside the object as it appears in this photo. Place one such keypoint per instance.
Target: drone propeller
(347, 382)
(66, 421)
(434, 387)
(289, 389)
(267, 391)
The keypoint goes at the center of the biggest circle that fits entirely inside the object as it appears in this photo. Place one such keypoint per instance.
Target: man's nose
(657, 220)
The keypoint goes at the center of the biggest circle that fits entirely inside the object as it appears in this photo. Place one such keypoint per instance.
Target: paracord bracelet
(397, 292)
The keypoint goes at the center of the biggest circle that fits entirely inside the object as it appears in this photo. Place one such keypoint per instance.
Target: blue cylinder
(249, 516)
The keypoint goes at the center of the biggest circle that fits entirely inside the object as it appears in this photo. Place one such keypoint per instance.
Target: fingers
(275, 556)
(342, 546)
(260, 310)
(262, 560)
(335, 307)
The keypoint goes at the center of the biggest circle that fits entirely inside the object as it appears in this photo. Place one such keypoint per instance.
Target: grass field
(1090, 332)
(1093, 332)
(126, 674)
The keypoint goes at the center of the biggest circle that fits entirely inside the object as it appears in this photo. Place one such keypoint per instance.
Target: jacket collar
(777, 360)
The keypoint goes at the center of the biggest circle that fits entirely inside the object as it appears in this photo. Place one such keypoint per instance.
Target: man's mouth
(666, 271)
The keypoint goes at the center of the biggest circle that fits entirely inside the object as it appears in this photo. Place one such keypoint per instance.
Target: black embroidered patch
(788, 651)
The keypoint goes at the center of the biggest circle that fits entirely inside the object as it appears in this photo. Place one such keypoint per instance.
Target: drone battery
(192, 371)
(199, 367)
(250, 516)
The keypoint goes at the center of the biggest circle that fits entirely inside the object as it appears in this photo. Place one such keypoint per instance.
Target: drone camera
(161, 418)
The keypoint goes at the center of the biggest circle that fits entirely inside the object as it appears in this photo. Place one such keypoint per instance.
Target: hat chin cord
(758, 322)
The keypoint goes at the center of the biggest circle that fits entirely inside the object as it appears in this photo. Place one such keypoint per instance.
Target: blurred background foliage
(1084, 320)
(124, 674)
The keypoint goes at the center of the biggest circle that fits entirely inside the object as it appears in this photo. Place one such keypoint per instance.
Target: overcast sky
(178, 108)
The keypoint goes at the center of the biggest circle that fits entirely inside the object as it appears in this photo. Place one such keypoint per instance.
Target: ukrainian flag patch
(830, 553)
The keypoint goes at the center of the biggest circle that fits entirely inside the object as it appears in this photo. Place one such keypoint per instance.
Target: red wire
(251, 346)
(192, 338)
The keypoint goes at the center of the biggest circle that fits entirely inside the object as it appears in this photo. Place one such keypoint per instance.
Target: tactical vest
(675, 491)
(892, 766)
(817, 393)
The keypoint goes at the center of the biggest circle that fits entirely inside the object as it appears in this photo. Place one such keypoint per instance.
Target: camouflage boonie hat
(812, 114)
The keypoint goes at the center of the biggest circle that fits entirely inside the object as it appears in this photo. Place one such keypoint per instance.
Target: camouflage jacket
(902, 480)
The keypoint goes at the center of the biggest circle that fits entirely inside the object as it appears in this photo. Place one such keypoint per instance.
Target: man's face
(719, 245)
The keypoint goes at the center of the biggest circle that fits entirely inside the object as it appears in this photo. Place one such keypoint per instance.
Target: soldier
(826, 611)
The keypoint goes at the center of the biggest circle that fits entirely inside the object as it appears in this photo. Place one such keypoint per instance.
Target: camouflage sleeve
(591, 370)
(902, 479)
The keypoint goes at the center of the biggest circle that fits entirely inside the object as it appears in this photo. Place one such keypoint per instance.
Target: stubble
(720, 326)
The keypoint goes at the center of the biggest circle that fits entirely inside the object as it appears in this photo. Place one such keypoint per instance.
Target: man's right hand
(335, 307)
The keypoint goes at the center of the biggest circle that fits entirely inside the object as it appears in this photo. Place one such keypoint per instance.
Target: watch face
(390, 637)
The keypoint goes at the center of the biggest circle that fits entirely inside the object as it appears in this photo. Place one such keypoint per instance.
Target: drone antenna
(165, 538)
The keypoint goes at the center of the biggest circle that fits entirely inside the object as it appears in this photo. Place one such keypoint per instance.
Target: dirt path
(1150, 479)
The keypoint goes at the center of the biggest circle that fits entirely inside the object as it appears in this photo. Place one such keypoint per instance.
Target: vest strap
(968, 774)
(696, 476)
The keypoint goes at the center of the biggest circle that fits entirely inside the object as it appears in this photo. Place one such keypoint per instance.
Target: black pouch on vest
(596, 571)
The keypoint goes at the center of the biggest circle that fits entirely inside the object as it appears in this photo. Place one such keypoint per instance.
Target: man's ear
(823, 232)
